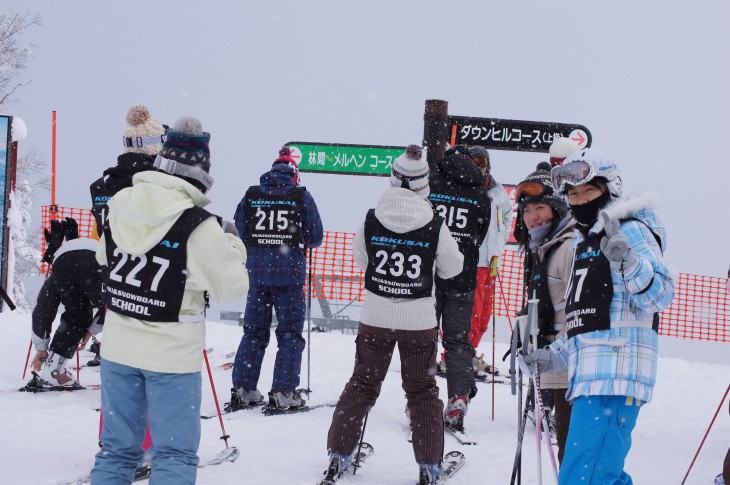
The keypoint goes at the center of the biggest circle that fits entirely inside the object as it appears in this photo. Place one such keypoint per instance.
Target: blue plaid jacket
(622, 361)
(273, 267)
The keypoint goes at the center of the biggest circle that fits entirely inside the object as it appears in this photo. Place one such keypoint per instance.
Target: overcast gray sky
(649, 79)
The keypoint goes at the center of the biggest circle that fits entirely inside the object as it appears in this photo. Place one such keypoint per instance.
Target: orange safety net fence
(700, 309)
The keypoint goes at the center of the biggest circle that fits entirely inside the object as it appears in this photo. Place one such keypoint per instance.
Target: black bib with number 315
(591, 288)
(400, 265)
(151, 286)
(274, 220)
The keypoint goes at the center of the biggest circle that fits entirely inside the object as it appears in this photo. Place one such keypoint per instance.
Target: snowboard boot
(55, 374)
(455, 412)
(285, 400)
(243, 399)
(429, 473)
(339, 463)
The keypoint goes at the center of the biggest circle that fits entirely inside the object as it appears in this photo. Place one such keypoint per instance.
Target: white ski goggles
(571, 173)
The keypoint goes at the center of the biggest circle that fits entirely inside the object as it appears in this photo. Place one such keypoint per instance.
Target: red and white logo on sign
(580, 137)
(296, 154)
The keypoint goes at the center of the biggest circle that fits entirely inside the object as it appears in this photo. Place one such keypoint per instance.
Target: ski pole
(706, 433)
(494, 340)
(504, 300)
(78, 367)
(27, 358)
(543, 420)
(215, 398)
(356, 465)
(309, 322)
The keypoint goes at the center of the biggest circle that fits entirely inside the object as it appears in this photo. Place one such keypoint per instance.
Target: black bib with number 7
(151, 286)
(591, 288)
(400, 265)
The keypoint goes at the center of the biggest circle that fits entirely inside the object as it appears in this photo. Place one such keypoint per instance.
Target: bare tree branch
(13, 55)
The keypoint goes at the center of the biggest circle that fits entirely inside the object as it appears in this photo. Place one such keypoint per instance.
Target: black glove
(54, 239)
(72, 228)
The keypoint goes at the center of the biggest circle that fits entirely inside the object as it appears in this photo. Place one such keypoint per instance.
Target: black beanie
(542, 176)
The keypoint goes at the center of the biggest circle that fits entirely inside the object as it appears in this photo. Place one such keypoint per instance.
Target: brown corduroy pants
(374, 350)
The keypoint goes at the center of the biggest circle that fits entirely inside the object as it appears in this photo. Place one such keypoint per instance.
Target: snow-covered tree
(14, 55)
(24, 244)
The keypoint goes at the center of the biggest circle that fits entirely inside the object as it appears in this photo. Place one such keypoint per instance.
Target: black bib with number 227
(151, 286)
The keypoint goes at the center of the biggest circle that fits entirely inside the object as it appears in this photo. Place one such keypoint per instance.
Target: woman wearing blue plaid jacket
(618, 286)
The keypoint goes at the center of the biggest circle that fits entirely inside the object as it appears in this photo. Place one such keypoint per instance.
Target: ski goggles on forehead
(571, 173)
(529, 189)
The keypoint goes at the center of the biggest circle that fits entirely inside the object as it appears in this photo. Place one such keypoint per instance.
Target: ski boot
(481, 368)
(455, 412)
(55, 374)
(243, 399)
(280, 400)
(429, 473)
(339, 464)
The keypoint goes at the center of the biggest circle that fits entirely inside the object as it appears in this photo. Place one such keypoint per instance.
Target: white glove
(547, 360)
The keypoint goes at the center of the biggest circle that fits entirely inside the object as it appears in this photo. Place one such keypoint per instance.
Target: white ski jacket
(401, 211)
(500, 224)
(139, 217)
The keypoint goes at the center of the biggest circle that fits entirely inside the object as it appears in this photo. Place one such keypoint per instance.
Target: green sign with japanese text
(344, 159)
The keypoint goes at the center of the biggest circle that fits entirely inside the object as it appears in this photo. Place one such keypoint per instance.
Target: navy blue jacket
(273, 267)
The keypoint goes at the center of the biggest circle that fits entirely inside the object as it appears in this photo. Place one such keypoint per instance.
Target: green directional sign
(344, 159)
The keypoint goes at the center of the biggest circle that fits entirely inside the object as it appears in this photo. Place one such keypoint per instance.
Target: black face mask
(587, 214)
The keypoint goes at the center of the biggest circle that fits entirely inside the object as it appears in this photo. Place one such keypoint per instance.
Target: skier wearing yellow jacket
(164, 253)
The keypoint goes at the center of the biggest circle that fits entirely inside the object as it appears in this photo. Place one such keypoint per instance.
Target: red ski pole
(706, 433)
(504, 300)
(215, 398)
(27, 358)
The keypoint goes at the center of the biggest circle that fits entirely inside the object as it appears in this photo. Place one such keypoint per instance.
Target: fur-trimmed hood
(639, 207)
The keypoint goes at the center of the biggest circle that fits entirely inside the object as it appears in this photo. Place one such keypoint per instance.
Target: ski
(225, 366)
(358, 458)
(229, 454)
(230, 355)
(459, 436)
(230, 408)
(267, 411)
(36, 385)
(144, 470)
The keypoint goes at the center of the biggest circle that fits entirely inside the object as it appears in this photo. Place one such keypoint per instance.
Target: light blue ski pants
(172, 401)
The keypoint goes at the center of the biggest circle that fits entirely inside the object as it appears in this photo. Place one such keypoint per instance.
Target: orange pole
(53, 162)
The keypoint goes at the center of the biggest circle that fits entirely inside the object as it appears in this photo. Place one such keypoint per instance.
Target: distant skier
(76, 282)
(402, 247)
(165, 253)
(457, 195)
(490, 254)
(277, 220)
(619, 284)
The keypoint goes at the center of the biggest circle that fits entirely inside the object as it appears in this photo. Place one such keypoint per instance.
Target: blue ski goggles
(571, 173)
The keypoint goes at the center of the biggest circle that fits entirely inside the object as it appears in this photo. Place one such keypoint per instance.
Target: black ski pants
(374, 351)
(453, 310)
(67, 338)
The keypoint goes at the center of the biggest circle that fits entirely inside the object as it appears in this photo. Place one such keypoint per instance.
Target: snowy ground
(51, 438)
